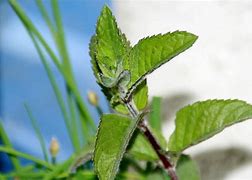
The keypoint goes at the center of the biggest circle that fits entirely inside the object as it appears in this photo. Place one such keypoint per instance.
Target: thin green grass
(74, 110)
(16, 153)
(4, 137)
(37, 132)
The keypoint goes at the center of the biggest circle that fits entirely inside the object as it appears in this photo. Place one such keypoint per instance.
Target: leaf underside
(202, 120)
(113, 136)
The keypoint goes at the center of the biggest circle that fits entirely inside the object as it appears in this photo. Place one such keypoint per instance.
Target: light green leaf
(187, 169)
(111, 44)
(202, 120)
(151, 52)
(141, 149)
(82, 157)
(140, 96)
(155, 119)
(113, 136)
(85, 174)
(158, 175)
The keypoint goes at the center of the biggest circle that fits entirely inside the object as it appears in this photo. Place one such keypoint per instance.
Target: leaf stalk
(150, 137)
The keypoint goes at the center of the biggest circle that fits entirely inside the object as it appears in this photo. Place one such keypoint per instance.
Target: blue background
(24, 80)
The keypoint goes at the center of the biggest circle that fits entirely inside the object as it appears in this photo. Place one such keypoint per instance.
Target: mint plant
(128, 143)
(121, 71)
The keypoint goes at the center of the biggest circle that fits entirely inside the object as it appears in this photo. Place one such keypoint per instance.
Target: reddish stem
(166, 163)
(145, 130)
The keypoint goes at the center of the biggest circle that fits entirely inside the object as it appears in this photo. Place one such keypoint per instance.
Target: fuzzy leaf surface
(113, 136)
(151, 52)
(202, 120)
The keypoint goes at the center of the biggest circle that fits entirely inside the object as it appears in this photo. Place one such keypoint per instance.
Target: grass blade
(14, 152)
(74, 124)
(29, 25)
(72, 85)
(56, 89)
(62, 48)
(7, 143)
(37, 131)
(45, 16)
(59, 169)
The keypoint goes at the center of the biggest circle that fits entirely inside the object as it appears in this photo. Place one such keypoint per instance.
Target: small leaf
(111, 44)
(151, 52)
(141, 149)
(187, 169)
(155, 119)
(82, 157)
(108, 48)
(202, 120)
(113, 136)
(158, 175)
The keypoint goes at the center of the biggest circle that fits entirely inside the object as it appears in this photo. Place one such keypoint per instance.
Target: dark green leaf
(113, 136)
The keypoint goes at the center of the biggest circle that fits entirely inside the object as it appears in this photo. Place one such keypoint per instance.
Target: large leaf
(151, 52)
(202, 120)
(113, 136)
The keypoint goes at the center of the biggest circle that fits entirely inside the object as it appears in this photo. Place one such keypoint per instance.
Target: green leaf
(111, 45)
(85, 174)
(151, 52)
(187, 169)
(202, 120)
(82, 157)
(108, 47)
(141, 149)
(158, 175)
(155, 119)
(113, 136)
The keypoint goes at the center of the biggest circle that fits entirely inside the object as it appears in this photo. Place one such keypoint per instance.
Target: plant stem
(149, 136)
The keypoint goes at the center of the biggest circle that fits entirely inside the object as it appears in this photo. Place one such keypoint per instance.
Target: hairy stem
(149, 136)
